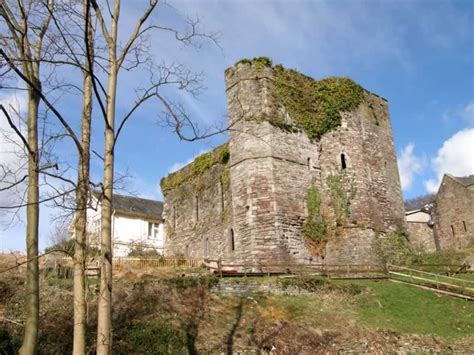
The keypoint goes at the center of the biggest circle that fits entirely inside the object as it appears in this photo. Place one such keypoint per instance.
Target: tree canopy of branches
(82, 37)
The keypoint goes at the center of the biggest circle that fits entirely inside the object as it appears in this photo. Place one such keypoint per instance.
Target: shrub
(441, 257)
(394, 248)
(314, 227)
(143, 251)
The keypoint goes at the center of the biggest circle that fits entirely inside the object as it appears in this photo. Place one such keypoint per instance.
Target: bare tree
(25, 45)
(174, 75)
(116, 58)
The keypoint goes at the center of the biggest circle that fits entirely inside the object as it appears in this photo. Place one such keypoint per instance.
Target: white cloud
(409, 165)
(455, 157)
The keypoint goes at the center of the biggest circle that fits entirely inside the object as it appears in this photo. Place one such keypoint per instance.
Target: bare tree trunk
(30, 337)
(82, 195)
(104, 321)
(104, 324)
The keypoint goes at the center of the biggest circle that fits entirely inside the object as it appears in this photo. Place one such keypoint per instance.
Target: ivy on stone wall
(198, 168)
(314, 226)
(341, 198)
(314, 105)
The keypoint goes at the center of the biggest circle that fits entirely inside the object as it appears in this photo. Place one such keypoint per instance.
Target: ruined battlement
(312, 172)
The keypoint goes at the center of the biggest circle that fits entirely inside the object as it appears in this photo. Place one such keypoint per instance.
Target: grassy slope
(408, 309)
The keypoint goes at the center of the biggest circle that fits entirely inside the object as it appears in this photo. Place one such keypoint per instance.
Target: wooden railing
(332, 270)
(434, 280)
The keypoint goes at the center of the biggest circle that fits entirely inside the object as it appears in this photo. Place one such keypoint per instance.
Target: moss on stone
(315, 105)
(197, 168)
(259, 62)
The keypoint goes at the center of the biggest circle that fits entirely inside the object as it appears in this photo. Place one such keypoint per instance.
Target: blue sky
(417, 54)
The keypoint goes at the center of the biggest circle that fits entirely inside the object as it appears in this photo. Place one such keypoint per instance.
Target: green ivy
(314, 105)
(197, 168)
(340, 198)
(314, 227)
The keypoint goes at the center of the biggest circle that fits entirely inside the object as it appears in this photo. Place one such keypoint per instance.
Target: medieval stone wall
(198, 217)
(421, 235)
(453, 214)
(272, 167)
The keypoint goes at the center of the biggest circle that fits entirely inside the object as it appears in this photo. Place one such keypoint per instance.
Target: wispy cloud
(179, 165)
(409, 165)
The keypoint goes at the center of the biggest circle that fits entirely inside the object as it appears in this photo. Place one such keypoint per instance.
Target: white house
(136, 222)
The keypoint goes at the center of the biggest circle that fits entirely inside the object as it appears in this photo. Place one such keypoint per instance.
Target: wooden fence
(433, 280)
(92, 267)
(334, 270)
(139, 263)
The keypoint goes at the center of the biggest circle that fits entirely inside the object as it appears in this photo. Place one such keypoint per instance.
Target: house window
(452, 230)
(153, 230)
(464, 225)
(343, 161)
(231, 240)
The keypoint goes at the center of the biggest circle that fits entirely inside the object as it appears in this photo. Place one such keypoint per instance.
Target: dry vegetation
(172, 313)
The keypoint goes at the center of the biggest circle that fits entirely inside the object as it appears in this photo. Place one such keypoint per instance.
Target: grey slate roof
(136, 205)
(465, 180)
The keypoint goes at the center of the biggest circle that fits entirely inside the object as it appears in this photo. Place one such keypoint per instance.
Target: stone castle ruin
(309, 175)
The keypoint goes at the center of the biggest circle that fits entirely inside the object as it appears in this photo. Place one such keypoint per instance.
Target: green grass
(408, 309)
(469, 277)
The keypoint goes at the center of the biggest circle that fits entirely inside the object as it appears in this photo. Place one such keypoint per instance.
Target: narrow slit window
(464, 225)
(343, 161)
(174, 216)
(196, 208)
(452, 230)
(309, 163)
(231, 240)
(221, 186)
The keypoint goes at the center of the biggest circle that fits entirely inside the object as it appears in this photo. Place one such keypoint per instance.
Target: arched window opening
(186, 251)
(231, 240)
(343, 161)
(309, 163)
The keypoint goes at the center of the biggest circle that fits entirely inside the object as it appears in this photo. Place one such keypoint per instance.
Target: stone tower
(312, 173)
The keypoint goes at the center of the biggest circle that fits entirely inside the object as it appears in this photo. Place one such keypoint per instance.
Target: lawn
(409, 309)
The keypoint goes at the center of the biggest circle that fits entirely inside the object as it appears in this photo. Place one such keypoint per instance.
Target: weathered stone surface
(421, 235)
(271, 169)
(453, 213)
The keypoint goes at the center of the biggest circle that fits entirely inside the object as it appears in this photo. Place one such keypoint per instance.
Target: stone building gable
(453, 212)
